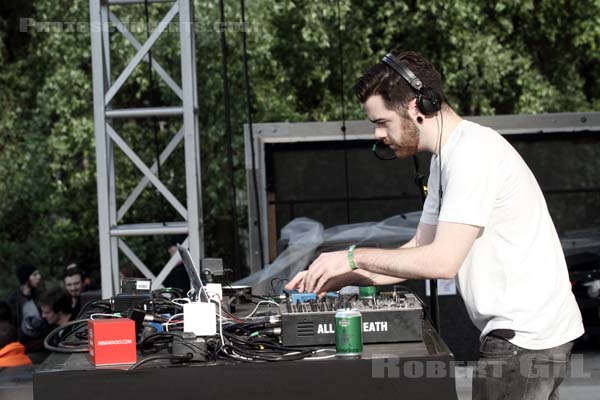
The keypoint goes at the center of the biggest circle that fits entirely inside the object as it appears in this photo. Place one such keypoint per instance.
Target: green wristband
(351, 262)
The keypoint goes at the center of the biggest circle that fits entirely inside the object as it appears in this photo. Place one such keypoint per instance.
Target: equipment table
(416, 370)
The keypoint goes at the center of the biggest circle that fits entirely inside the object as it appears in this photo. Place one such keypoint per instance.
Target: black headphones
(429, 101)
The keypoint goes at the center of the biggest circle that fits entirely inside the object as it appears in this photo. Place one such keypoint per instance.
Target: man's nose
(380, 133)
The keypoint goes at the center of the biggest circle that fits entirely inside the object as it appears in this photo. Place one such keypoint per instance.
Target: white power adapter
(200, 318)
(214, 289)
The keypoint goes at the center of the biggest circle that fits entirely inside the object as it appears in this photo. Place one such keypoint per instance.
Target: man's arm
(423, 236)
(366, 278)
(441, 258)
(361, 277)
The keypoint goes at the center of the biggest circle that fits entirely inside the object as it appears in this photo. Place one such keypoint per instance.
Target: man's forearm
(411, 243)
(366, 278)
(436, 255)
(402, 263)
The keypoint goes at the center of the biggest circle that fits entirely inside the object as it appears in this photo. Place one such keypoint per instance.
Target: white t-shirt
(515, 275)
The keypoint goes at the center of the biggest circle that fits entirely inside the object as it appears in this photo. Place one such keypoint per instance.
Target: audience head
(56, 306)
(72, 279)
(29, 275)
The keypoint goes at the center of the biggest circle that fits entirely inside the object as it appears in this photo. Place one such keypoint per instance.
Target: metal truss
(112, 233)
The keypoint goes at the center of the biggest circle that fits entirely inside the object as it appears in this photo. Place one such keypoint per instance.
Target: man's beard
(409, 144)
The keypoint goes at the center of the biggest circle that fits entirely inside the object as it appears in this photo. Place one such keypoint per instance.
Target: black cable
(343, 104)
(381, 157)
(253, 355)
(163, 341)
(103, 304)
(80, 332)
(172, 357)
(440, 189)
(419, 180)
(173, 293)
(164, 306)
(341, 57)
(264, 350)
(61, 347)
(266, 344)
(275, 292)
(433, 286)
(155, 342)
(83, 335)
(273, 287)
(251, 131)
(228, 134)
(192, 346)
(241, 329)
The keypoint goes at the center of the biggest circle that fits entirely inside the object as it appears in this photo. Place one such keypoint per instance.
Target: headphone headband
(428, 100)
(401, 68)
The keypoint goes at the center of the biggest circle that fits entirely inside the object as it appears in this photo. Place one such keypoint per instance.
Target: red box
(111, 341)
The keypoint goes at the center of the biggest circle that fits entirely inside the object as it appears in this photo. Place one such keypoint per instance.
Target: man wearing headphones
(485, 222)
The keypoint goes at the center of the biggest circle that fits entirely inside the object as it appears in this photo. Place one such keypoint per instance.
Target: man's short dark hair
(58, 298)
(72, 272)
(396, 93)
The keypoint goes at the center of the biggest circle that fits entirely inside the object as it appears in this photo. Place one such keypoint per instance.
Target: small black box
(123, 302)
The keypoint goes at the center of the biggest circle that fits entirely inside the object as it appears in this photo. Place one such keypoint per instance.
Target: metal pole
(191, 132)
(252, 185)
(228, 135)
(102, 156)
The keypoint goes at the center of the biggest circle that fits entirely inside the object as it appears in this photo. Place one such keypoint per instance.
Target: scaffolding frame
(111, 232)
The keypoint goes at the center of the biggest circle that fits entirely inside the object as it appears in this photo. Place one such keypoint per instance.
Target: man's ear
(413, 110)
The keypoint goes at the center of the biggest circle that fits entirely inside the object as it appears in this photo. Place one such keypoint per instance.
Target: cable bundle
(181, 348)
(259, 349)
(69, 338)
(249, 338)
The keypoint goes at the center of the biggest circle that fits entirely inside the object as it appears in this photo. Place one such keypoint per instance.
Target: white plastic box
(200, 318)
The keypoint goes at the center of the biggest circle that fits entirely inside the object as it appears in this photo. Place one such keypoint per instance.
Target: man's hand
(332, 285)
(297, 283)
(358, 277)
(330, 271)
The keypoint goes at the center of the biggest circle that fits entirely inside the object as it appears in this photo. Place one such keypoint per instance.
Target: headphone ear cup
(429, 101)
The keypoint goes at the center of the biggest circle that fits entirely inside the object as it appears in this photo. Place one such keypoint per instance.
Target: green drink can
(348, 333)
(367, 291)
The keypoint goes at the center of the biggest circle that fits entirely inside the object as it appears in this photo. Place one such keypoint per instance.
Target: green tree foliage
(496, 57)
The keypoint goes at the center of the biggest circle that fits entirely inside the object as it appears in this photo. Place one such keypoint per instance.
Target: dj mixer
(387, 318)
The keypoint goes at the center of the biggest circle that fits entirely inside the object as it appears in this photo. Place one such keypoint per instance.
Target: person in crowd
(72, 280)
(12, 353)
(26, 317)
(56, 307)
